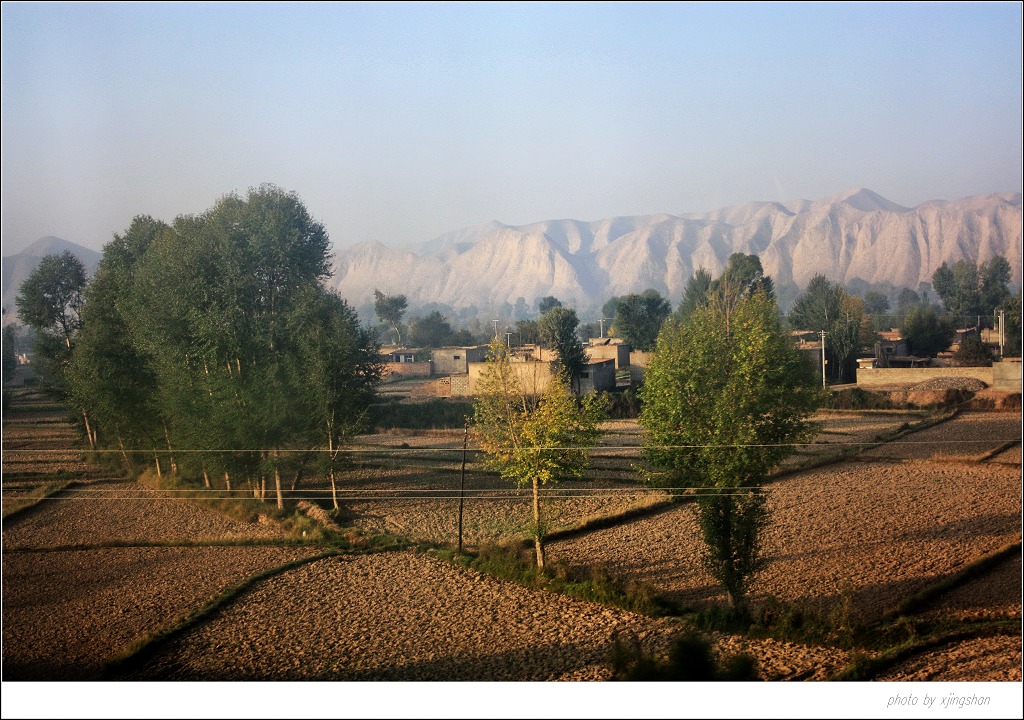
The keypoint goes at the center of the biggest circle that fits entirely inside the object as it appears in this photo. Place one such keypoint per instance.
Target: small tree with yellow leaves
(529, 437)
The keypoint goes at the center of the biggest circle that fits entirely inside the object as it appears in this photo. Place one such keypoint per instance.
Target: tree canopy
(547, 303)
(967, 289)
(390, 309)
(826, 306)
(725, 398)
(528, 439)
(639, 317)
(215, 334)
(557, 329)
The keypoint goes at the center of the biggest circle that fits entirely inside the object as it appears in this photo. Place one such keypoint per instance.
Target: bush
(690, 658)
(620, 404)
(434, 414)
(972, 353)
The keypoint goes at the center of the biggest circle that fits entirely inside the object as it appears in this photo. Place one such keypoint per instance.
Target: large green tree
(725, 398)
(826, 306)
(927, 333)
(969, 290)
(249, 355)
(390, 309)
(696, 294)
(639, 317)
(532, 440)
(557, 328)
(50, 301)
(110, 378)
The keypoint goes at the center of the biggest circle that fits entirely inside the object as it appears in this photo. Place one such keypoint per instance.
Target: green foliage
(390, 309)
(50, 298)
(968, 289)
(50, 301)
(972, 353)
(527, 332)
(547, 303)
(434, 331)
(876, 303)
(529, 439)
(725, 396)
(557, 328)
(926, 332)
(826, 306)
(697, 293)
(109, 376)
(10, 356)
(638, 318)
(215, 335)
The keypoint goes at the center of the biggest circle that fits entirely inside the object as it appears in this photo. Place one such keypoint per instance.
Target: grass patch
(867, 667)
(920, 600)
(515, 563)
(431, 414)
(13, 507)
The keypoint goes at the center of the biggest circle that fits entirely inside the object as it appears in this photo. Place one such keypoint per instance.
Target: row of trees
(213, 340)
(727, 395)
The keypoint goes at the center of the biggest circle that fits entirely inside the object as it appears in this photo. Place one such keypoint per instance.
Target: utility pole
(508, 338)
(1002, 320)
(462, 489)
(602, 324)
(823, 359)
(495, 329)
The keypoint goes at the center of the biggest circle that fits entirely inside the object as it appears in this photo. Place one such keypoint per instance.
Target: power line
(385, 450)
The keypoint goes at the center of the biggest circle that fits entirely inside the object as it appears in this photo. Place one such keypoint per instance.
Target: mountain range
(856, 238)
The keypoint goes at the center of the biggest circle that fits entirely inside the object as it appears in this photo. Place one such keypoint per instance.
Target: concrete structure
(608, 348)
(455, 360)
(1006, 375)
(535, 376)
(598, 376)
(393, 354)
(638, 360)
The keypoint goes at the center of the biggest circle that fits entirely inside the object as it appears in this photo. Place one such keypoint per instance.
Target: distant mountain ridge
(19, 266)
(855, 236)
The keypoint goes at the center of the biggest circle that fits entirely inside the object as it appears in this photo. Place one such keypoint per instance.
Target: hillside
(856, 236)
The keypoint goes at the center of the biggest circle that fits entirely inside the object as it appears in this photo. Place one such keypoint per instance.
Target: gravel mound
(950, 383)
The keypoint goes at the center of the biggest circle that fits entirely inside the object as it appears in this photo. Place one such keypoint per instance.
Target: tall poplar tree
(725, 396)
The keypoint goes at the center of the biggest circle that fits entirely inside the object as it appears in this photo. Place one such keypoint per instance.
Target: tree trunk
(206, 479)
(124, 455)
(277, 480)
(88, 431)
(156, 461)
(227, 481)
(334, 491)
(538, 538)
(170, 451)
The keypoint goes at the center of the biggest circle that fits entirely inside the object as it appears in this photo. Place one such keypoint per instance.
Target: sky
(399, 122)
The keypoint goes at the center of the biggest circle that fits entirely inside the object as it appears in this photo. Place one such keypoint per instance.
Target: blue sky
(399, 122)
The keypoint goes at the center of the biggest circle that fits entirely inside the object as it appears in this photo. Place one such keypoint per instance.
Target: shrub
(690, 658)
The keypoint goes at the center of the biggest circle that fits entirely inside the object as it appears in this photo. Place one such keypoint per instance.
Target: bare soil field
(853, 538)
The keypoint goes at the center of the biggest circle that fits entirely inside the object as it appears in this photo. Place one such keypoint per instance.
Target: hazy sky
(399, 122)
